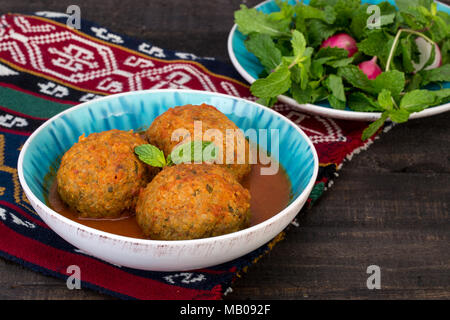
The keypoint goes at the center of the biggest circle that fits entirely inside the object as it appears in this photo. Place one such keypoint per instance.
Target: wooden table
(389, 207)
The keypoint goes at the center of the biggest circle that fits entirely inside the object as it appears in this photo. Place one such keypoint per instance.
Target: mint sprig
(192, 151)
(151, 155)
(413, 101)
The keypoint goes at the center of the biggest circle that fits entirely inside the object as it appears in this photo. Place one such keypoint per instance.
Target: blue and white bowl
(135, 110)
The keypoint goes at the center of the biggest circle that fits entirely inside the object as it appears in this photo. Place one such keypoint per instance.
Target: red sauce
(269, 195)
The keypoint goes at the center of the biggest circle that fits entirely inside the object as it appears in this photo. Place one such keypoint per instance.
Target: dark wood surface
(389, 207)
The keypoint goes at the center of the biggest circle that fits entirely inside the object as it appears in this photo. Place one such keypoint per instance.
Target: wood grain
(389, 206)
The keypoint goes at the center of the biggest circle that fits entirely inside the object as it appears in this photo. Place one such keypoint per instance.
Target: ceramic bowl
(135, 110)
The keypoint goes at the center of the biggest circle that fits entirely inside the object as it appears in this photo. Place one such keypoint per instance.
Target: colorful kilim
(46, 67)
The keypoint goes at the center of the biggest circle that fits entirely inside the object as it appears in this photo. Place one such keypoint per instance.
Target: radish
(343, 41)
(370, 68)
(425, 48)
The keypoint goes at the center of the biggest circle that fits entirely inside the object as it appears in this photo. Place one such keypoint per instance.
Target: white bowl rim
(320, 110)
(147, 242)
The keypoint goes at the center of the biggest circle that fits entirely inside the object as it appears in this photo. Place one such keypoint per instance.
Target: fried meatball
(162, 133)
(191, 201)
(100, 176)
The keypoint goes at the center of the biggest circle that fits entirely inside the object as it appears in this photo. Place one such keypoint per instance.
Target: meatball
(162, 133)
(100, 176)
(191, 201)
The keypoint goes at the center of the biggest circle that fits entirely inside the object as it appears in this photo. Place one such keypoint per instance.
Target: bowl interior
(137, 110)
(251, 65)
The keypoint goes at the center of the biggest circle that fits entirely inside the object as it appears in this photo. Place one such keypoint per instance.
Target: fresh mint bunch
(288, 44)
(192, 151)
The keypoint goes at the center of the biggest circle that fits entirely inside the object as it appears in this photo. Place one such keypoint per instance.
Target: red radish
(370, 68)
(343, 41)
(425, 48)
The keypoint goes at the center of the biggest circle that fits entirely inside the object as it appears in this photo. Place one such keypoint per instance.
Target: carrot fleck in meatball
(177, 124)
(100, 176)
(191, 201)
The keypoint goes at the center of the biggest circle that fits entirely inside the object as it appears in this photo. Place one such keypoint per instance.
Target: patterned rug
(45, 68)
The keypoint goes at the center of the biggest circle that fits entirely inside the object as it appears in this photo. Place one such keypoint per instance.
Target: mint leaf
(304, 76)
(300, 95)
(445, 16)
(317, 69)
(445, 52)
(296, 74)
(371, 45)
(414, 82)
(431, 58)
(339, 62)
(335, 53)
(150, 155)
(345, 10)
(439, 74)
(405, 4)
(209, 151)
(335, 85)
(322, 3)
(355, 77)
(308, 95)
(374, 127)
(193, 151)
(298, 43)
(406, 48)
(252, 20)
(416, 17)
(318, 94)
(336, 103)
(388, 13)
(442, 96)
(268, 102)
(417, 100)
(439, 29)
(392, 80)
(286, 11)
(359, 101)
(441, 26)
(358, 26)
(385, 99)
(305, 65)
(263, 47)
(399, 115)
(278, 82)
(308, 12)
(333, 57)
(319, 31)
